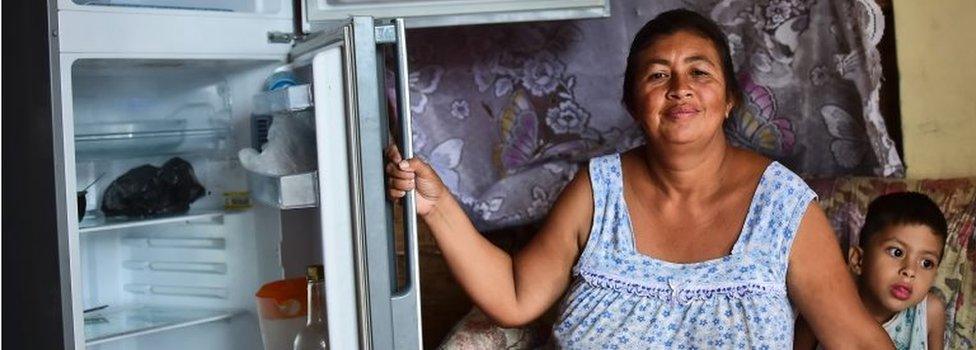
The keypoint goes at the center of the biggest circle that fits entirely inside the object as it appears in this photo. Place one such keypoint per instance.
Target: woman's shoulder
(748, 167)
(755, 166)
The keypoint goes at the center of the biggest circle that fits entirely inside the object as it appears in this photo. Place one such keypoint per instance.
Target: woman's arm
(515, 291)
(935, 321)
(803, 338)
(512, 291)
(822, 289)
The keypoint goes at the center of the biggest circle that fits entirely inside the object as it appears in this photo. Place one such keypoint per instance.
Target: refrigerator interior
(185, 281)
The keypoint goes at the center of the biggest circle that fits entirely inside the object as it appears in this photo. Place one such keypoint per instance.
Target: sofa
(450, 321)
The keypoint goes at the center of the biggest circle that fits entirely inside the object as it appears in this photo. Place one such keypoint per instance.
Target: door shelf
(288, 100)
(99, 223)
(285, 192)
(146, 138)
(132, 321)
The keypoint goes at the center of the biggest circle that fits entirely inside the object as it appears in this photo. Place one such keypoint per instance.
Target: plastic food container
(281, 312)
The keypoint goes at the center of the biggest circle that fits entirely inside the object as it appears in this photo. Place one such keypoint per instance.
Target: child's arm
(512, 291)
(935, 321)
(803, 338)
(821, 287)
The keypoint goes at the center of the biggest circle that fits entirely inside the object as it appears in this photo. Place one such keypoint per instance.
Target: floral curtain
(507, 113)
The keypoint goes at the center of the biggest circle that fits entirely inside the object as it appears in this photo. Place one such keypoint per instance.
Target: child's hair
(903, 208)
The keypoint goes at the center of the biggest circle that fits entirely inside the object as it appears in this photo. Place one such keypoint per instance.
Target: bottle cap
(314, 273)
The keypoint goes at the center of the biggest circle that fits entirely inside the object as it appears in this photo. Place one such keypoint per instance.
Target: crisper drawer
(433, 13)
(285, 192)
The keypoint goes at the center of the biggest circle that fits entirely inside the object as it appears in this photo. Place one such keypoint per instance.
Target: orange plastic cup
(281, 312)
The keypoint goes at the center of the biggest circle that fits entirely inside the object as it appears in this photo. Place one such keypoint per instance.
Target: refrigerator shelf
(146, 138)
(100, 223)
(288, 100)
(285, 192)
(125, 322)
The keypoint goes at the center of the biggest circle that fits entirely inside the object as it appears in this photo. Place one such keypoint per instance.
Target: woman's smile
(681, 112)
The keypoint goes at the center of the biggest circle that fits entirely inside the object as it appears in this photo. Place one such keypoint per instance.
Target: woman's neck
(686, 171)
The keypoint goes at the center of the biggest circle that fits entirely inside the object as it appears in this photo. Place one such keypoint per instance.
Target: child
(894, 266)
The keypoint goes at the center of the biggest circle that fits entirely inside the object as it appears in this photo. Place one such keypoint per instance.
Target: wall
(936, 43)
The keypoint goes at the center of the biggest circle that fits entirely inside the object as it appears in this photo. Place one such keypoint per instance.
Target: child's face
(898, 265)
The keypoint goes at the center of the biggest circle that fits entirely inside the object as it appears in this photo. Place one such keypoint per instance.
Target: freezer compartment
(245, 6)
(285, 192)
(136, 108)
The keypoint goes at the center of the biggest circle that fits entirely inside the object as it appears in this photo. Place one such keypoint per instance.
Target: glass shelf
(146, 138)
(125, 322)
(96, 223)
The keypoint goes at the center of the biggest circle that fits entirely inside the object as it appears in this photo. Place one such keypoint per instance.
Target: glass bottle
(313, 336)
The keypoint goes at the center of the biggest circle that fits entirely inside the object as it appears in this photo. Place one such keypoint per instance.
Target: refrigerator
(137, 82)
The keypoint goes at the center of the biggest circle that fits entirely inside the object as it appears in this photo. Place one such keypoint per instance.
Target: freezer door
(432, 13)
(365, 308)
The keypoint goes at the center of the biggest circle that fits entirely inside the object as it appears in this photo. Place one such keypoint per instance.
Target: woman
(684, 242)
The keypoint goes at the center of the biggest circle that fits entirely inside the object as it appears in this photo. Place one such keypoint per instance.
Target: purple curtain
(507, 113)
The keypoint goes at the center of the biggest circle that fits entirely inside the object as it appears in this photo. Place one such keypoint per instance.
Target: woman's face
(679, 90)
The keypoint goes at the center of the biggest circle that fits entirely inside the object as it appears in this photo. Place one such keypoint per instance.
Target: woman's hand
(405, 175)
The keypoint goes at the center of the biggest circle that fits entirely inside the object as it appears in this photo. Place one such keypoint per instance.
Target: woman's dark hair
(902, 208)
(672, 22)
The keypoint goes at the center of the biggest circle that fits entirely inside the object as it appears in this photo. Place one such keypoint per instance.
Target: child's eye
(928, 264)
(895, 252)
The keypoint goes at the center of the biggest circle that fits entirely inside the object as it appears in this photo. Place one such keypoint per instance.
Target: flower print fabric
(531, 97)
(621, 299)
(908, 329)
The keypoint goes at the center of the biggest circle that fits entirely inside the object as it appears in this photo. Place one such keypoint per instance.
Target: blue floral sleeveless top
(908, 329)
(621, 299)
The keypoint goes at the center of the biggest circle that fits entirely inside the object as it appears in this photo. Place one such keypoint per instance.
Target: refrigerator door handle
(406, 302)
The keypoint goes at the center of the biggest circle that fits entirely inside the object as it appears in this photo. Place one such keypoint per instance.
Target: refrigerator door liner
(285, 192)
(288, 100)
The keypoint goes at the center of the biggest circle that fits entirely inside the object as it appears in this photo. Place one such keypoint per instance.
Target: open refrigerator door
(366, 307)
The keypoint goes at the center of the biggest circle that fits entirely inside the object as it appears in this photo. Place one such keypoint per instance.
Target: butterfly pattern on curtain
(506, 113)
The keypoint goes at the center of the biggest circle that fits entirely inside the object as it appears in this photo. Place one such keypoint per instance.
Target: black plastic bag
(149, 191)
